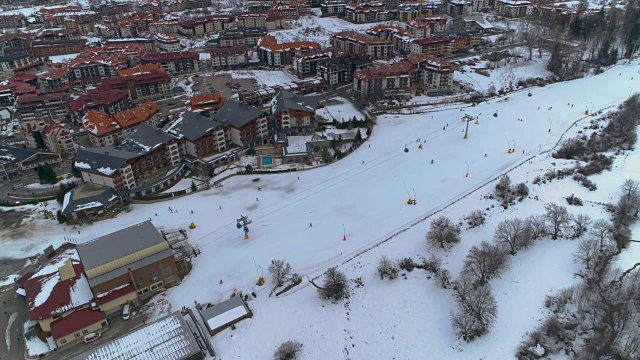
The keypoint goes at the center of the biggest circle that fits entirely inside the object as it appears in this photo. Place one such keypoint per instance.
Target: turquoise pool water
(267, 161)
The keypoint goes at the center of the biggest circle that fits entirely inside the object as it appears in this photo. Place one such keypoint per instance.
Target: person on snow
(259, 188)
(432, 161)
(257, 199)
(310, 225)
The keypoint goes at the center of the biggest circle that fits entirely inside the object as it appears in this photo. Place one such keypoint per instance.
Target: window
(63, 341)
(154, 276)
(168, 271)
(140, 282)
(77, 335)
(85, 332)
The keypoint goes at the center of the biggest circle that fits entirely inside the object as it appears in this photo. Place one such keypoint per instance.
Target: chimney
(66, 271)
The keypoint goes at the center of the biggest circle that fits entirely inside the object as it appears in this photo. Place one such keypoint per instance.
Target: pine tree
(75, 172)
(555, 63)
(194, 188)
(358, 136)
(46, 174)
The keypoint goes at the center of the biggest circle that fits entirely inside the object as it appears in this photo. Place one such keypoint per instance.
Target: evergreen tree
(46, 174)
(75, 172)
(326, 156)
(613, 56)
(555, 63)
(60, 195)
(194, 188)
(61, 218)
(358, 136)
(576, 26)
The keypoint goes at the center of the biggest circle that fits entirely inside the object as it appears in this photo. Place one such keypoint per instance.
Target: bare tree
(513, 234)
(279, 271)
(602, 231)
(586, 253)
(335, 285)
(537, 226)
(485, 262)
(503, 187)
(629, 203)
(386, 267)
(443, 233)
(477, 312)
(522, 190)
(463, 324)
(581, 225)
(289, 350)
(557, 217)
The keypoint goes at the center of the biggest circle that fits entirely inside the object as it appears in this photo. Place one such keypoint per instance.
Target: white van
(91, 337)
(126, 312)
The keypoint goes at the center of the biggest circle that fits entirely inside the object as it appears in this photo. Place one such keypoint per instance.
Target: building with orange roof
(277, 54)
(380, 81)
(167, 43)
(56, 138)
(94, 69)
(206, 103)
(105, 130)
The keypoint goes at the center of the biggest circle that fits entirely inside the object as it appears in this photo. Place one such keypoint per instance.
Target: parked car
(126, 312)
(18, 186)
(91, 337)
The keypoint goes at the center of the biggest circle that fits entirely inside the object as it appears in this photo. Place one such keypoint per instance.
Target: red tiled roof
(156, 56)
(113, 294)
(97, 98)
(270, 43)
(48, 295)
(23, 77)
(75, 321)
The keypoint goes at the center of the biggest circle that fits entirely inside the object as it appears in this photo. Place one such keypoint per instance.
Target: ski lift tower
(243, 223)
(468, 118)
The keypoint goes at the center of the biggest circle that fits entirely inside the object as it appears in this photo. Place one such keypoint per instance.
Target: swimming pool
(267, 161)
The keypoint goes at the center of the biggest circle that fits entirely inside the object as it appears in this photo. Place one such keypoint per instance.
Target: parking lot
(219, 83)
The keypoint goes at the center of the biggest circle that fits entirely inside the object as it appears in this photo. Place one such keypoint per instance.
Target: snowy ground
(340, 112)
(505, 74)
(264, 77)
(370, 200)
(317, 29)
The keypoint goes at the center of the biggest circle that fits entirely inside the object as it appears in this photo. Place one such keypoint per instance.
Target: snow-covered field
(341, 112)
(405, 318)
(317, 29)
(264, 77)
(504, 75)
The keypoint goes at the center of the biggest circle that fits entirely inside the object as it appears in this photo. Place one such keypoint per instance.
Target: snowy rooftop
(49, 293)
(166, 339)
(297, 144)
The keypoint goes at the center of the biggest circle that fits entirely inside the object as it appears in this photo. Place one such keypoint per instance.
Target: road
(12, 305)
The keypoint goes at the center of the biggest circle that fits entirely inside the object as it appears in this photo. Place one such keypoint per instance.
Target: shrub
(522, 190)
(386, 268)
(289, 350)
(475, 218)
(407, 264)
(574, 200)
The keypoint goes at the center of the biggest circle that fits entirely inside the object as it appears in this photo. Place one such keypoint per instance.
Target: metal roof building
(168, 338)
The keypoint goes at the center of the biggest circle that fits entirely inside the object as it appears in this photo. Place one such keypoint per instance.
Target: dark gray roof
(119, 244)
(212, 310)
(88, 193)
(168, 338)
(104, 159)
(288, 100)
(145, 138)
(192, 126)
(236, 114)
(133, 266)
(15, 154)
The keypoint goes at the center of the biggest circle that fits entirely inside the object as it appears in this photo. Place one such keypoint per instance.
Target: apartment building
(361, 44)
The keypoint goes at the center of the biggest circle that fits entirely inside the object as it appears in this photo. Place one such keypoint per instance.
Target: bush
(61, 218)
(584, 181)
(443, 233)
(522, 190)
(407, 264)
(503, 188)
(574, 200)
(289, 350)
(571, 149)
(475, 218)
(386, 268)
